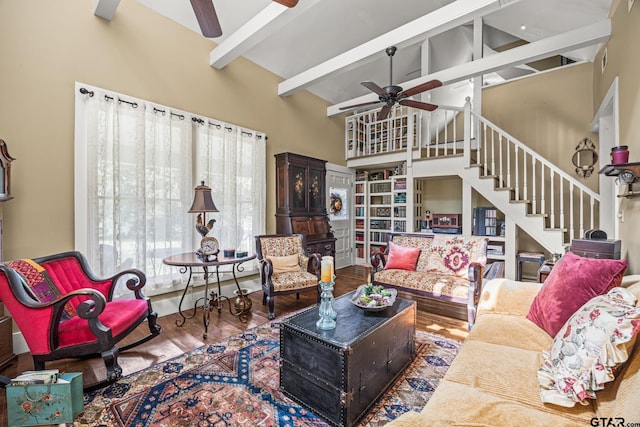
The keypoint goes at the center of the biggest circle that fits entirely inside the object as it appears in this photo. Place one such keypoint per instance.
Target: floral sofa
(445, 269)
(511, 371)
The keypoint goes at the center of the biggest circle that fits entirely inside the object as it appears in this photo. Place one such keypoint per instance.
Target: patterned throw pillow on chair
(589, 349)
(39, 285)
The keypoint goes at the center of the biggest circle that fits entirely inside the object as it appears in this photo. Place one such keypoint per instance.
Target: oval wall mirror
(584, 158)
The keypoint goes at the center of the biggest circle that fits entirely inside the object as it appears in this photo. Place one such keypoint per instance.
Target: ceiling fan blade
(384, 112)
(364, 104)
(432, 84)
(418, 104)
(207, 18)
(375, 88)
(288, 3)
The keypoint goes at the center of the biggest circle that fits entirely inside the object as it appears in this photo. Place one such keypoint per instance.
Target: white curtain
(231, 161)
(136, 168)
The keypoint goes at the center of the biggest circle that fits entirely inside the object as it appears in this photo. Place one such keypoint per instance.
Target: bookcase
(361, 240)
(489, 221)
(383, 204)
(399, 189)
(379, 210)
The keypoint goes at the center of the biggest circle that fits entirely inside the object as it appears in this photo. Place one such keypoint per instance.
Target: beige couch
(493, 380)
(447, 272)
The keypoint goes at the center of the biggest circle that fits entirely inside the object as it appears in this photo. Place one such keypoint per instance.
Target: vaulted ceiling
(329, 46)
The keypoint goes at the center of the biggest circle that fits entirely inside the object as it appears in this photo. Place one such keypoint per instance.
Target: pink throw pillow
(571, 283)
(402, 257)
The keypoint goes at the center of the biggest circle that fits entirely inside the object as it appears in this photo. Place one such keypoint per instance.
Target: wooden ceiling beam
(105, 9)
(261, 26)
(575, 39)
(450, 16)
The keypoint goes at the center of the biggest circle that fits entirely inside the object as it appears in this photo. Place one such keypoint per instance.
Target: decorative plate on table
(373, 297)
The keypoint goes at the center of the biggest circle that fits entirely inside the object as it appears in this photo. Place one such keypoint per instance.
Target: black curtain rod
(85, 91)
(110, 98)
(157, 110)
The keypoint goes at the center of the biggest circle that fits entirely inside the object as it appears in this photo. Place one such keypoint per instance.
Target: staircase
(544, 201)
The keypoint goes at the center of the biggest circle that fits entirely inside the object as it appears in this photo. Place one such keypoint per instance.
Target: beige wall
(550, 112)
(442, 195)
(624, 63)
(48, 45)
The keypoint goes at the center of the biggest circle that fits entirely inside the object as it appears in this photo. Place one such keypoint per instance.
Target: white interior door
(340, 209)
(606, 124)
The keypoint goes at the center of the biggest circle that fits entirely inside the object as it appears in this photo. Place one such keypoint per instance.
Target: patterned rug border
(134, 398)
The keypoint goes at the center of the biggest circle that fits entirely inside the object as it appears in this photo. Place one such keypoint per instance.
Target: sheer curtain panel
(136, 165)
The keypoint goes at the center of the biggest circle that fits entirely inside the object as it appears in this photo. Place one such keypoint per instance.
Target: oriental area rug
(235, 383)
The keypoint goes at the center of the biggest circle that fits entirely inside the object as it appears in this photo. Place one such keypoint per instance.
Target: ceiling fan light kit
(393, 94)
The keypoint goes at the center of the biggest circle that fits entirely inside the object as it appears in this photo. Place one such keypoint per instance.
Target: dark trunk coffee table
(339, 374)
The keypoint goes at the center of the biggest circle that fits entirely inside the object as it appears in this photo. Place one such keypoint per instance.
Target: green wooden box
(37, 404)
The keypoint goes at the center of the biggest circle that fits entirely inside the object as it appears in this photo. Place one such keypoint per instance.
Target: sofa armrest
(378, 261)
(475, 274)
(507, 297)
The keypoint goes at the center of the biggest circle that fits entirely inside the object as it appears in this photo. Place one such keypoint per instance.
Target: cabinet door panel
(316, 190)
(299, 189)
(318, 225)
(301, 225)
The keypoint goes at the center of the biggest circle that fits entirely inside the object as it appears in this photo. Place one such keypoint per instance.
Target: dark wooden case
(6, 341)
(301, 201)
(340, 374)
(596, 248)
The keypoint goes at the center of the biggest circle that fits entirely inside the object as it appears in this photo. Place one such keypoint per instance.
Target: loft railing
(365, 135)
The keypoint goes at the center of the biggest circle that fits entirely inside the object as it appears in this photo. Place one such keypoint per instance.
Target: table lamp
(203, 203)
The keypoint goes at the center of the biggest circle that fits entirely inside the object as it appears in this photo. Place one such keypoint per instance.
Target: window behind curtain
(136, 167)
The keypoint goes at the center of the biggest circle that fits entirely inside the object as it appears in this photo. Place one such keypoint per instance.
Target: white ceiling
(318, 30)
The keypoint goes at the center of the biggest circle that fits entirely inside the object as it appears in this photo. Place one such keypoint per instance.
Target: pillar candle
(325, 270)
(328, 259)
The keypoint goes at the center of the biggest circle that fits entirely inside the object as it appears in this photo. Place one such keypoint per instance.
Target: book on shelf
(362, 175)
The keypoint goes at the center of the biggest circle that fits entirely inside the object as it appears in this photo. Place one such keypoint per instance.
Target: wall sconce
(584, 158)
(203, 203)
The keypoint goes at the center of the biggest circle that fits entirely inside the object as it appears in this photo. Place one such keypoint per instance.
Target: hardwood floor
(173, 340)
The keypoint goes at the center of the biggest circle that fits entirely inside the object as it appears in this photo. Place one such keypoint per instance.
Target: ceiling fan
(208, 19)
(395, 94)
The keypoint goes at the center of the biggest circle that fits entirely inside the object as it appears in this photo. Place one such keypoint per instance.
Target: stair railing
(530, 177)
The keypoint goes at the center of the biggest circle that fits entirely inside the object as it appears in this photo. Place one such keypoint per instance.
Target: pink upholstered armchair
(64, 311)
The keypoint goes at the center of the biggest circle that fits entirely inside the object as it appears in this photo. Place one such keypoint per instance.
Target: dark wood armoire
(301, 201)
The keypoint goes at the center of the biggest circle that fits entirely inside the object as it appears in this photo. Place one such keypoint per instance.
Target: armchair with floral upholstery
(64, 311)
(285, 267)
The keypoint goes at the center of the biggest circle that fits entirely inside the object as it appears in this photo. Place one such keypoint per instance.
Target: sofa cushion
(293, 280)
(508, 330)
(422, 242)
(589, 348)
(435, 284)
(452, 254)
(402, 257)
(572, 282)
(454, 404)
(508, 374)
